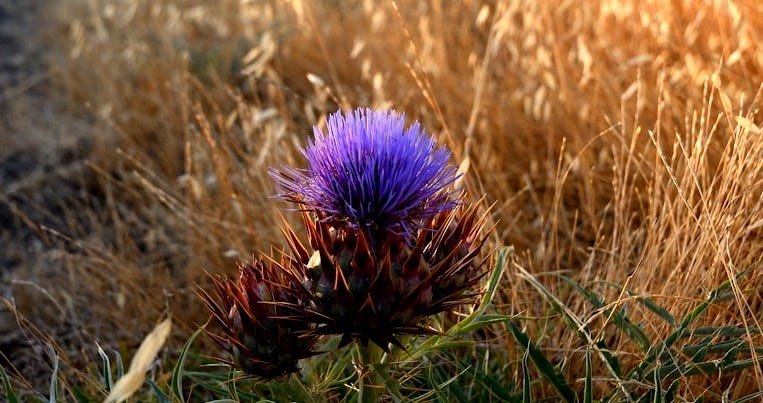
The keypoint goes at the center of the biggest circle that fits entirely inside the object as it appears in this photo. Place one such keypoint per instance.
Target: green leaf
(9, 393)
(697, 351)
(391, 385)
(654, 307)
(177, 372)
(554, 377)
(444, 345)
(454, 387)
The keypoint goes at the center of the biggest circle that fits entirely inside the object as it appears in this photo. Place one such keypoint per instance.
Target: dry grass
(620, 140)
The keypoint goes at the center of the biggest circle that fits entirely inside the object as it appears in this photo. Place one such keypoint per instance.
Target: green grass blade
(487, 298)
(453, 386)
(299, 392)
(10, 395)
(655, 308)
(436, 387)
(577, 325)
(606, 353)
(435, 343)
(709, 368)
(479, 323)
(232, 385)
(120, 365)
(526, 384)
(657, 388)
(160, 396)
(496, 388)
(670, 394)
(177, 372)
(391, 385)
(618, 318)
(724, 331)
(647, 302)
(80, 396)
(106, 372)
(700, 349)
(495, 278)
(666, 345)
(54, 380)
(554, 377)
(588, 391)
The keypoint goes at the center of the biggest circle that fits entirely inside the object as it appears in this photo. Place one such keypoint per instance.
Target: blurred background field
(619, 140)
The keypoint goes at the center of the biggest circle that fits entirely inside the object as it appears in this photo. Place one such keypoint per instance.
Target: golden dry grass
(619, 139)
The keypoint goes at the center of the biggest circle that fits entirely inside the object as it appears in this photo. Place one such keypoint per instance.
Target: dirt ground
(42, 171)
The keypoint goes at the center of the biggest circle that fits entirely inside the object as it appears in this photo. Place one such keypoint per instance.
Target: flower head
(369, 170)
(389, 244)
(256, 316)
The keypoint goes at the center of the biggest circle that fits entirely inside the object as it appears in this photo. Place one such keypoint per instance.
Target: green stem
(370, 381)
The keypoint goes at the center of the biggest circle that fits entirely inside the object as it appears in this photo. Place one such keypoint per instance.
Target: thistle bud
(255, 313)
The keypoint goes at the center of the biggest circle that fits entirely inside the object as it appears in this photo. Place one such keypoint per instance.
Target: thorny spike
(296, 247)
(338, 274)
(363, 251)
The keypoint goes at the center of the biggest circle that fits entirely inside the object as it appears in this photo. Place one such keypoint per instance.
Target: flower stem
(370, 381)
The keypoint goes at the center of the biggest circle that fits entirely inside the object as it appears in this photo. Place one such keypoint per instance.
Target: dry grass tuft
(621, 141)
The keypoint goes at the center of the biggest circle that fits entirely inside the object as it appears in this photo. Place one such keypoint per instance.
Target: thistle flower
(391, 245)
(370, 171)
(254, 313)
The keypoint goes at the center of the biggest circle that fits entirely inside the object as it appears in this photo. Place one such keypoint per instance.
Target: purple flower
(370, 171)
